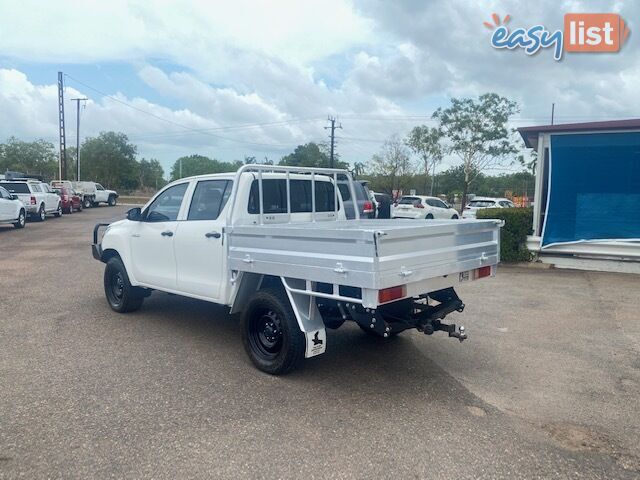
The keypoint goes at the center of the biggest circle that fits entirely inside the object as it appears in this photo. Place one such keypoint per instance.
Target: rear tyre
(58, 212)
(455, 217)
(112, 200)
(42, 215)
(429, 217)
(20, 223)
(121, 296)
(270, 333)
(69, 210)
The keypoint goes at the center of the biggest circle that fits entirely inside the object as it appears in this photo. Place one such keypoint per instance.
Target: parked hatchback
(470, 211)
(70, 200)
(418, 207)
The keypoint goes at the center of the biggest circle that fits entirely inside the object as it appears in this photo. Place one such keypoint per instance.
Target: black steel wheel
(20, 223)
(121, 295)
(270, 332)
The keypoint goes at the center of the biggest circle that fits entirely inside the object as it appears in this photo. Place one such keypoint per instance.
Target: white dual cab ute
(273, 244)
(92, 194)
(38, 197)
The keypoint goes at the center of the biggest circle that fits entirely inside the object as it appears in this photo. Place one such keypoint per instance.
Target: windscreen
(594, 188)
(409, 201)
(16, 187)
(482, 203)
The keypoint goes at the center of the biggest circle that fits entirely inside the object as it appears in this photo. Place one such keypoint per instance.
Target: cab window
(209, 199)
(99, 187)
(274, 196)
(166, 206)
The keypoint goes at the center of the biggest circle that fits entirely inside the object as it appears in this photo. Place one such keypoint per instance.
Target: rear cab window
(274, 196)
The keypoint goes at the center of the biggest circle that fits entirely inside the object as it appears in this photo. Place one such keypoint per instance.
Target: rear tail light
(65, 198)
(482, 272)
(368, 207)
(392, 293)
(419, 205)
(33, 200)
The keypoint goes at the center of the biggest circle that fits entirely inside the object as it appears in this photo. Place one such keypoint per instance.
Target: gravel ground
(547, 386)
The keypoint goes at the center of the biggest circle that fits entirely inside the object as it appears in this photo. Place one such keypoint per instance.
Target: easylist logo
(583, 33)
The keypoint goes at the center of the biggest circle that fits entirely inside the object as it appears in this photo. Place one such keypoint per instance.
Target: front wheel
(270, 333)
(454, 217)
(429, 217)
(112, 200)
(86, 203)
(121, 295)
(20, 223)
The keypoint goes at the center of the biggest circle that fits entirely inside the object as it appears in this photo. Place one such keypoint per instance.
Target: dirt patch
(476, 411)
(579, 438)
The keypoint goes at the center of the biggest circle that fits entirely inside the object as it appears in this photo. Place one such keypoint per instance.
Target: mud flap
(316, 342)
(310, 321)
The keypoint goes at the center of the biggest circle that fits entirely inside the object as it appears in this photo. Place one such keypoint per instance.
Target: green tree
(150, 174)
(392, 165)
(200, 165)
(310, 155)
(37, 157)
(477, 133)
(425, 142)
(110, 159)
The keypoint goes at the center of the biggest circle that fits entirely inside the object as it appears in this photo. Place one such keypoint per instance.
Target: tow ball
(436, 325)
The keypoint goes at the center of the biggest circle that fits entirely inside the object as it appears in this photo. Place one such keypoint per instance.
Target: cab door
(199, 241)
(152, 239)
(7, 206)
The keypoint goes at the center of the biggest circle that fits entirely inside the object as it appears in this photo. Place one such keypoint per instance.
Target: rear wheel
(58, 212)
(270, 333)
(42, 215)
(70, 209)
(454, 217)
(21, 220)
(429, 216)
(121, 295)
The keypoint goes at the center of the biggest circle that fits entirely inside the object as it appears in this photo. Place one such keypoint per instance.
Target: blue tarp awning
(594, 188)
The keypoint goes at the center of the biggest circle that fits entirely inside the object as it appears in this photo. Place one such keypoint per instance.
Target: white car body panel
(409, 211)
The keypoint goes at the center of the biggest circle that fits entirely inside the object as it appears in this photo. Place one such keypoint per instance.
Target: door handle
(212, 235)
(167, 234)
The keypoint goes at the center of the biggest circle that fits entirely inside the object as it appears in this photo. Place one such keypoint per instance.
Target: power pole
(62, 168)
(78, 100)
(332, 137)
(553, 111)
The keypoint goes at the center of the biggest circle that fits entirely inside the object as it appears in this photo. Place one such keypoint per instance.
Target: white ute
(273, 244)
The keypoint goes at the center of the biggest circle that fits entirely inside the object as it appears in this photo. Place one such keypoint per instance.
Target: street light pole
(78, 100)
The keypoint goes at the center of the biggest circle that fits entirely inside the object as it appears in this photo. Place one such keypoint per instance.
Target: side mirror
(14, 196)
(135, 214)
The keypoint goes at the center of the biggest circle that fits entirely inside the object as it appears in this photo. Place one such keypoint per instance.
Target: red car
(70, 201)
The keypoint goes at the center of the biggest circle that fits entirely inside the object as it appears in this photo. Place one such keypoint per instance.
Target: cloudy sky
(229, 79)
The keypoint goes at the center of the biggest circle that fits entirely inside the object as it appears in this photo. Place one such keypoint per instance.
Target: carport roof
(530, 134)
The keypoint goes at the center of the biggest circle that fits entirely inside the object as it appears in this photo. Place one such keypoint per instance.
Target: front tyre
(270, 333)
(86, 203)
(112, 200)
(122, 297)
(20, 223)
(429, 217)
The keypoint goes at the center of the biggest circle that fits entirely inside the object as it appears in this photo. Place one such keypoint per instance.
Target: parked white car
(12, 210)
(418, 206)
(38, 197)
(273, 243)
(92, 194)
(478, 203)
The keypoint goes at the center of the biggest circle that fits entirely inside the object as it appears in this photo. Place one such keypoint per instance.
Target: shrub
(513, 236)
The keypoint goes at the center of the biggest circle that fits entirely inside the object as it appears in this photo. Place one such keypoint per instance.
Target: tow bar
(429, 316)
